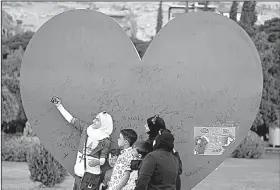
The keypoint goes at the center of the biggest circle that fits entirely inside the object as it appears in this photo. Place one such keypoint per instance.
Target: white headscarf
(104, 131)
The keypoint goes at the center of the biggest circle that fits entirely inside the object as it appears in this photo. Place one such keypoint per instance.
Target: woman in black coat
(154, 173)
(153, 126)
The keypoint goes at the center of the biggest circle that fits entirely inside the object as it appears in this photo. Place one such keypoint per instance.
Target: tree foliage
(10, 80)
(272, 28)
(9, 106)
(248, 14)
(21, 39)
(248, 17)
(205, 8)
(233, 11)
(267, 41)
(159, 17)
(11, 65)
(140, 46)
(270, 59)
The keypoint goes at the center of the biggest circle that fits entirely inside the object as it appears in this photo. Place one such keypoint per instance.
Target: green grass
(232, 174)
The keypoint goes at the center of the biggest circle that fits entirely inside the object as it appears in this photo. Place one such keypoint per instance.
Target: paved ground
(233, 174)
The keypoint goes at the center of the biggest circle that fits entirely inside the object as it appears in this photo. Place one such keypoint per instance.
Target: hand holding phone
(56, 100)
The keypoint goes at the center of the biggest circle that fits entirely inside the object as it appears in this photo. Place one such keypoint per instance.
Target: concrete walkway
(232, 174)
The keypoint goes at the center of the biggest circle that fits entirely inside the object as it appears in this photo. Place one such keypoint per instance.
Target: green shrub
(43, 167)
(251, 147)
(10, 107)
(15, 148)
(21, 39)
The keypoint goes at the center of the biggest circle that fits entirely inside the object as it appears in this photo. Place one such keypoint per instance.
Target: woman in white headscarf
(93, 155)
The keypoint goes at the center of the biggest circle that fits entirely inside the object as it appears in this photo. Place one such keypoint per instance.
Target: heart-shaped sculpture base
(201, 73)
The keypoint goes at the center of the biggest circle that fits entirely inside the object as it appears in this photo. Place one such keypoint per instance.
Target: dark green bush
(10, 107)
(43, 167)
(15, 148)
(21, 39)
(251, 147)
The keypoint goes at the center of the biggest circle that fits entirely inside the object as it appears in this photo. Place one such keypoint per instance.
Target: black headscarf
(164, 140)
(155, 124)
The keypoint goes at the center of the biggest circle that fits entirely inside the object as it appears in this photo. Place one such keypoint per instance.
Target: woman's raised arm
(68, 117)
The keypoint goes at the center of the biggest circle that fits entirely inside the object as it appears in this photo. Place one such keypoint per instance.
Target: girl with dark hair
(154, 172)
(153, 126)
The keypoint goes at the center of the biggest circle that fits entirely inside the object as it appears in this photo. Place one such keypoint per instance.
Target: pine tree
(187, 7)
(248, 14)
(159, 17)
(248, 17)
(233, 11)
(206, 5)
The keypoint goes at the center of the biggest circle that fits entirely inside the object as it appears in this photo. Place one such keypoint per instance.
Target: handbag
(89, 181)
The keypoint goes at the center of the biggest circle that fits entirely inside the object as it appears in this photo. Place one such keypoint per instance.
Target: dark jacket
(180, 170)
(102, 149)
(155, 174)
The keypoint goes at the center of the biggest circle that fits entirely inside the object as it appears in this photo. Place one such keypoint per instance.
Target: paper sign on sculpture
(213, 140)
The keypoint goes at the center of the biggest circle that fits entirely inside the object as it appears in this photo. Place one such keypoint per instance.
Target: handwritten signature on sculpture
(90, 64)
(256, 102)
(199, 169)
(68, 141)
(65, 85)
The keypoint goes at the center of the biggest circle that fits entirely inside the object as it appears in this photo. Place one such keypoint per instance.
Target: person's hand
(56, 101)
(94, 162)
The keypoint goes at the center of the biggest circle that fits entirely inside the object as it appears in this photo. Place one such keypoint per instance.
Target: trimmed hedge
(43, 167)
(15, 148)
(251, 147)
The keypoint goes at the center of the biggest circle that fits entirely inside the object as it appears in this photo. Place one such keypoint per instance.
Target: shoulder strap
(99, 147)
(85, 153)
